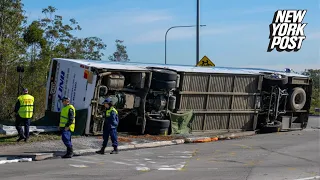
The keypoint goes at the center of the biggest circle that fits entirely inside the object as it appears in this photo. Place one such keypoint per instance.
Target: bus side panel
(66, 79)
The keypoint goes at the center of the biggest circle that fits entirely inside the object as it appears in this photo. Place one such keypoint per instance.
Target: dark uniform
(110, 128)
(24, 110)
(67, 120)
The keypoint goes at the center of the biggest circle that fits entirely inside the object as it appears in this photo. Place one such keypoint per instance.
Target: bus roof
(135, 66)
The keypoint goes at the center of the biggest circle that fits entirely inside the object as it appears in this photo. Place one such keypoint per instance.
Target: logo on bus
(60, 89)
(53, 88)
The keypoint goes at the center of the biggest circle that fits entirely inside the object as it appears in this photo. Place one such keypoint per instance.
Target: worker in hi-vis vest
(24, 110)
(110, 127)
(67, 125)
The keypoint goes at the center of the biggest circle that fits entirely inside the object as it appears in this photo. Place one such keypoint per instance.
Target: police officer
(110, 127)
(67, 125)
(24, 110)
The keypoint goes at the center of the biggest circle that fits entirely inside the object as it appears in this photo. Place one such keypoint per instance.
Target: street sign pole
(198, 24)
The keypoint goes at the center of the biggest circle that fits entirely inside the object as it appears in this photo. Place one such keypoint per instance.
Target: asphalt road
(285, 156)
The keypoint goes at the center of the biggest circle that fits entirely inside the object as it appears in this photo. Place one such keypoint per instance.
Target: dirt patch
(44, 137)
(124, 139)
(120, 139)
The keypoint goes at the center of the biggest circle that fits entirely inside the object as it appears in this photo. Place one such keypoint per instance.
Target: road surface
(285, 156)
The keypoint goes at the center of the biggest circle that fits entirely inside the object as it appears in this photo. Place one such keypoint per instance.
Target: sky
(236, 32)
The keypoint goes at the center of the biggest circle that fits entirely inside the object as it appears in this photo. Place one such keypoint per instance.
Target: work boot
(69, 153)
(101, 151)
(20, 138)
(115, 150)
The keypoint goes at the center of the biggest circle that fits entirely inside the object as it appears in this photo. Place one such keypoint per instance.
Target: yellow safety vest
(64, 117)
(109, 111)
(26, 106)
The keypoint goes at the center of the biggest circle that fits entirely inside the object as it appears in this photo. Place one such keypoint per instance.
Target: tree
(314, 74)
(12, 48)
(34, 46)
(121, 52)
(50, 37)
(62, 43)
(86, 48)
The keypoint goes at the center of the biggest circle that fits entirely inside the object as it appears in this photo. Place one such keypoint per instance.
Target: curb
(129, 147)
(27, 157)
(44, 156)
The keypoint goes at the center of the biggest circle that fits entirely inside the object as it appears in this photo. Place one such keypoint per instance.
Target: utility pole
(20, 70)
(198, 25)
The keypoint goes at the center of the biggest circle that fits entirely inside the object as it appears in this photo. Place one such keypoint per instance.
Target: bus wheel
(276, 127)
(298, 99)
(164, 75)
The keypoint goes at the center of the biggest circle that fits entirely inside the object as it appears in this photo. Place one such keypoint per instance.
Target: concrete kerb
(130, 147)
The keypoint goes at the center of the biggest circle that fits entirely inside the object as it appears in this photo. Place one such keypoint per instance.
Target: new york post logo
(287, 30)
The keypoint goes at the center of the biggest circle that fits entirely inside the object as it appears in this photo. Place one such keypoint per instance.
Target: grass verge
(12, 140)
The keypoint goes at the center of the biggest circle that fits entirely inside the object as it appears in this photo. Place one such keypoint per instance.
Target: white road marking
(310, 178)
(174, 157)
(132, 159)
(118, 162)
(185, 156)
(185, 152)
(79, 166)
(9, 161)
(16, 160)
(142, 164)
(168, 169)
(142, 168)
(164, 166)
(180, 154)
(175, 167)
(79, 160)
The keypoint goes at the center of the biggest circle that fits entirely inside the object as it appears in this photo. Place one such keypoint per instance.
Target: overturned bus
(145, 94)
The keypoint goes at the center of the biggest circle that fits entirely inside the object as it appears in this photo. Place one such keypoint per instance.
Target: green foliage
(12, 49)
(314, 74)
(121, 52)
(33, 46)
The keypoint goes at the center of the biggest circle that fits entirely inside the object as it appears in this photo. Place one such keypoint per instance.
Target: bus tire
(166, 85)
(277, 127)
(164, 75)
(298, 99)
(156, 131)
(158, 123)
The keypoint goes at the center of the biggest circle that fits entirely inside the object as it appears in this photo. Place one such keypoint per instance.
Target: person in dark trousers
(24, 110)
(110, 127)
(67, 125)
